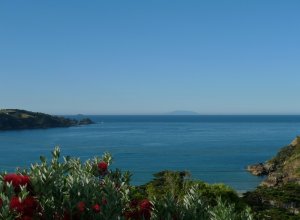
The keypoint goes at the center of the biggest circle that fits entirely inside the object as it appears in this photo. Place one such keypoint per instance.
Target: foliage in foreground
(275, 203)
(66, 188)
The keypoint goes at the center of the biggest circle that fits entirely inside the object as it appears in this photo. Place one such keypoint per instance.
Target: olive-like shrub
(65, 189)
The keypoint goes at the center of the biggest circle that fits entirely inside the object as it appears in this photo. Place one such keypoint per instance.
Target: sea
(214, 149)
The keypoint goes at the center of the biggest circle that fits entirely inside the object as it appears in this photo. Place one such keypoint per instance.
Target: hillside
(15, 119)
(283, 168)
(278, 196)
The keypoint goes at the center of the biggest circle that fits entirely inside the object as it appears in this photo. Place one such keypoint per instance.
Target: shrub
(65, 188)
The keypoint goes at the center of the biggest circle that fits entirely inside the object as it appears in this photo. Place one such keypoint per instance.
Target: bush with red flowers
(64, 189)
(139, 209)
(26, 207)
(67, 189)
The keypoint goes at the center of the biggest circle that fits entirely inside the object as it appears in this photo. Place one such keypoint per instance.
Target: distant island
(16, 119)
(182, 112)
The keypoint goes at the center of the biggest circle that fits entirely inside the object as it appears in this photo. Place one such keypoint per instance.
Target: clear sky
(154, 56)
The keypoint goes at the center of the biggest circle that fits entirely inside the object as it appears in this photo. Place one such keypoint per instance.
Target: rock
(295, 142)
(273, 179)
(258, 169)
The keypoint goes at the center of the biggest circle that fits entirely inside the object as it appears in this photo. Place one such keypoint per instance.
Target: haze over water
(213, 148)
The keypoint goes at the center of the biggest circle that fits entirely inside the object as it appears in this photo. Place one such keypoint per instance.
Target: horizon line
(199, 114)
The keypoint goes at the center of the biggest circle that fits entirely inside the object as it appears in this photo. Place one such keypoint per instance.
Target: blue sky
(148, 57)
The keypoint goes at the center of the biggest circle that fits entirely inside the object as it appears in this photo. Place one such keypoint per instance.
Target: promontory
(16, 119)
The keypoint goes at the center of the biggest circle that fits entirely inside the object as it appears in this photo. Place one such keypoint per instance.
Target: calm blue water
(214, 148)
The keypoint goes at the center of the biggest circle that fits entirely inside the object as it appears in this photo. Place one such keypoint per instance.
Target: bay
(215, 149)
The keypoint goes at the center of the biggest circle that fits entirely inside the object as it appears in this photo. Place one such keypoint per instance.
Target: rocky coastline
(278, 196)
(283, 168)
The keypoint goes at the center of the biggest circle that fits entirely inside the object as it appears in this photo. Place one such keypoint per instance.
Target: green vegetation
(69, 189)
(177, 183)
(285, 165)
(176, 190)
(14, 119)
(282, 202)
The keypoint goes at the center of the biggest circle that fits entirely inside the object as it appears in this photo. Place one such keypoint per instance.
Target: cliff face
(283, 168)
(15, 119)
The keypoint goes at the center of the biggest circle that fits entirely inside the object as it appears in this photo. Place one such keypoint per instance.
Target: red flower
(25, 180)
(30, 205)
(16, 204)
(17, 180)
(1, 203)
(27, 207)
(81, 206)
(96, 208)
(145, 208)
(102, 167)
(145, 205)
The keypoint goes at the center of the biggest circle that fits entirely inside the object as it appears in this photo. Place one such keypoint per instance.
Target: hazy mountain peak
(182, 112)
